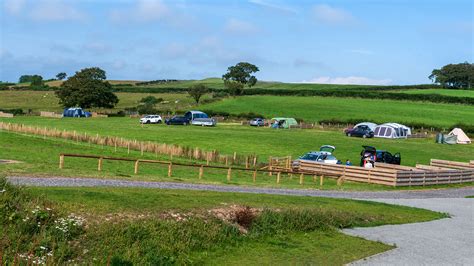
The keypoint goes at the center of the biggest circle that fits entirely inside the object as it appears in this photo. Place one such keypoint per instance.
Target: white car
(151, 119)
(324, 155)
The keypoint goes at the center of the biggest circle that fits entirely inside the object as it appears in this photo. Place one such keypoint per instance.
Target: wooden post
(254, 161)
(235, 157)
(136, 166)
(61, 161)
(141, 147)
(115, 145)
(301, 179)
(314, 178)
(201, 171)
(321, 181)
(128, 147)
(229, 174)
(278, 177)
(99, 165)
(226, 160)
(247, 162)
(170, 166)
(254, 176)
(270, 167)
(208, 158)
(340, 180)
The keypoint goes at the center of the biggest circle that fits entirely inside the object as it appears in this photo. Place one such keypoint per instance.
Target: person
(348, 162)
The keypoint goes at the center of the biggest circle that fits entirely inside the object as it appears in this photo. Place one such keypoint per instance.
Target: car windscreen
(310, 156)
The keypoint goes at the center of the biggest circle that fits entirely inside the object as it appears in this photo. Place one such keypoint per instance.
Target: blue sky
(353, 42)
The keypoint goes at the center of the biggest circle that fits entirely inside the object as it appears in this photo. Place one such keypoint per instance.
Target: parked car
(257, 122)
(362, 131)
(177, 120)
(199, 118)
(372, 155)
(151, 119)
(324, 155)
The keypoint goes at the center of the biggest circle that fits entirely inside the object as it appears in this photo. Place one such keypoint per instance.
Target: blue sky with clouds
(346, 42)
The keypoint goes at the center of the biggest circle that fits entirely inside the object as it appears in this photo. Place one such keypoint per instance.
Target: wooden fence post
(201, 171)
(128, 147)
(278, 177)
(314, 178)
(136, 166)
(247, 162)
(321, 181)
(208, 158)
(61, 161)
(270, 167)
(226, 160)
(254, 176)
(115, 146)
(170, 166)
(255, 161)
(229, 174)
(235, 158)
(301, 179)
(99, 165)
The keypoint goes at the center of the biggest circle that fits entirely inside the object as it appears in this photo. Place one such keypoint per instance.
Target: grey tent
(446, 138)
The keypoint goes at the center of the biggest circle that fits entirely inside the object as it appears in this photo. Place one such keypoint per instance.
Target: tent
(392, 131)
(462, 138)
(446, 138)
(283, 122)
(75, 112)
(370, 125)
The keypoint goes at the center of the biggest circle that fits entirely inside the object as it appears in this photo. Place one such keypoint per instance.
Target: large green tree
(87, 88)
(457, 76)
(61, 75)
(240, 74)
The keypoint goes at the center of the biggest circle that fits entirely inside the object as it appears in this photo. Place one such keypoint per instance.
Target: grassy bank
(145, 226)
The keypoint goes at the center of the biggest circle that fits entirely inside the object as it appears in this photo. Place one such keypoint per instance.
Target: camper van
(199, 118)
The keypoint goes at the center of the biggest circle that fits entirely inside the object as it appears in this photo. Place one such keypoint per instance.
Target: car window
(377, 131)
(330, 157)
(200, 116)
(309, 156)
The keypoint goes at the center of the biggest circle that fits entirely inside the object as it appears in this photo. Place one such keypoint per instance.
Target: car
(257, 122)
(177, 120)
(324, 155)
(372, 155)
(198, 118)
(151, 119)
(362, 131)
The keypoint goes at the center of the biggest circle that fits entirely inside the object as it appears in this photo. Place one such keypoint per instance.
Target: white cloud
(348, 80)
(144, 10)
(273, 6)
(331, 15)
(239, 27)
(55, 11)
(13, 6)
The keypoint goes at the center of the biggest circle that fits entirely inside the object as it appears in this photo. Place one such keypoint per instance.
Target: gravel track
(94, 182)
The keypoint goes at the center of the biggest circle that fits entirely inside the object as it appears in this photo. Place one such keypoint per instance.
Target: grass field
(318, 108)
(47, 100)
(446, 92)
(140, 226)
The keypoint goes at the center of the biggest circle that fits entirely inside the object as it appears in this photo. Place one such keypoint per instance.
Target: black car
(177, 120)
(360, 131)
(380, 156)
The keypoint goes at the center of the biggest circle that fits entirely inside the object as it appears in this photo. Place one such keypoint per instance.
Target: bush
(16, 111)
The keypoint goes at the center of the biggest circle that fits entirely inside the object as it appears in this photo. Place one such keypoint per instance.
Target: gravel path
(440, 242)
(93, 182)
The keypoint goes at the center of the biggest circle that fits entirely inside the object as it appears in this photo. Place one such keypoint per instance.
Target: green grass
(125, 226)
(47, 101)
(446, 92)
(313, 109)
(261, 141)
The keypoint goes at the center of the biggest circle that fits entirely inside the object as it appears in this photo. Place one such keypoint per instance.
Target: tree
(29, 78)
(87, 88)
(61, 75)
(197, 91)
(36, 80)
(241, 73)
(458, 76)
(234, 88)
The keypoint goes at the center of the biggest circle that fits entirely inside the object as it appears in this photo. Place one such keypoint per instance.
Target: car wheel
(364, 136)
(148, 122)
(159, 121)
(349, 134)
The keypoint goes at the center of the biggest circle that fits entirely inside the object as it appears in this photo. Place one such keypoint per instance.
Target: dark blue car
(177, 120)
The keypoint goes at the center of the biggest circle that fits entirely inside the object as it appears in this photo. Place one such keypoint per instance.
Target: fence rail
(322, 174)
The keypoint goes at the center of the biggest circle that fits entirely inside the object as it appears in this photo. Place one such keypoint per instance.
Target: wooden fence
(142, 146)
(230, 169)
(438, 172)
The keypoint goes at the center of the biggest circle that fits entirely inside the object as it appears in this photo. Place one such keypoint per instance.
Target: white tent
(462, 137)
(370, 125)
(392, 131)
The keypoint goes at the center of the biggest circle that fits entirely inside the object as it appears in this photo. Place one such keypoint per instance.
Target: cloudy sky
(345, 42)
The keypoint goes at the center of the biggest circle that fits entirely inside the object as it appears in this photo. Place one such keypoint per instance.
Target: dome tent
(392, 131)
(462, 138)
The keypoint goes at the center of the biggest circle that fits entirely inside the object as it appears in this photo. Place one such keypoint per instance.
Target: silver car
(257, 122)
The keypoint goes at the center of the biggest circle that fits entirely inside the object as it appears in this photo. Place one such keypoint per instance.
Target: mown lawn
(261, 141)
(313, 109)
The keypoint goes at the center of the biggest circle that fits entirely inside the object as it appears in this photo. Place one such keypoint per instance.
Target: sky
(378, 42)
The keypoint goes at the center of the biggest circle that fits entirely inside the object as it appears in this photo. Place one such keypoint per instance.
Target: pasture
(313, 109)
(446, 92)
